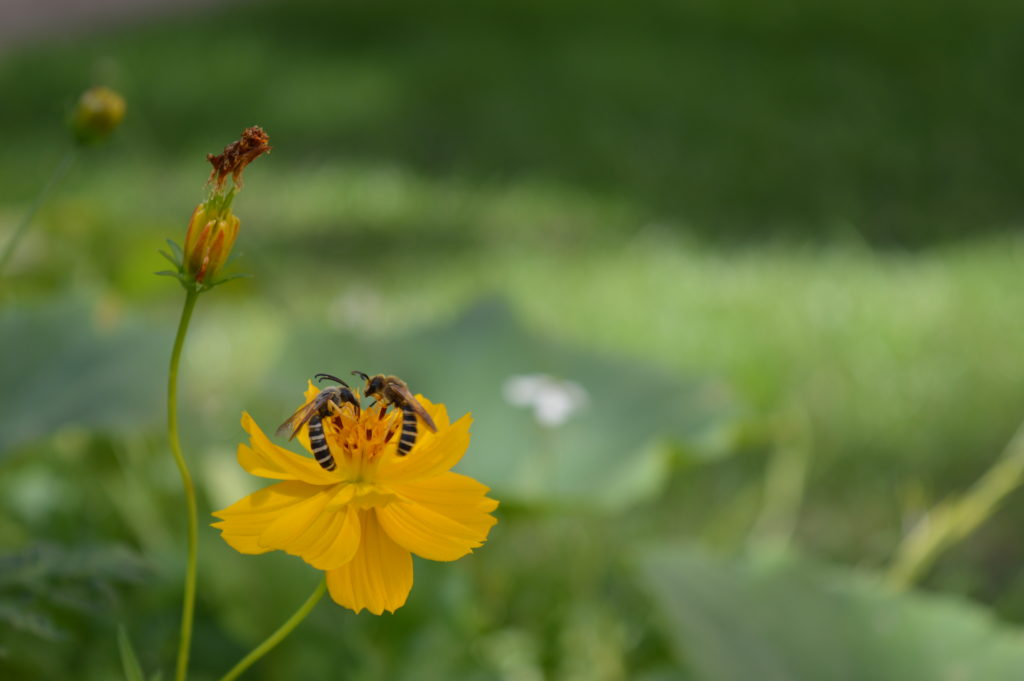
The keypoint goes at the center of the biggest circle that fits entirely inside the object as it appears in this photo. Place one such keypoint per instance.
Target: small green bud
(98, 112)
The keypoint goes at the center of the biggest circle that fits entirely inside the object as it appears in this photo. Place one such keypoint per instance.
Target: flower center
(360, 440)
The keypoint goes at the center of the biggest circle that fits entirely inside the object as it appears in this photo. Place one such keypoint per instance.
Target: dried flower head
(236, 156)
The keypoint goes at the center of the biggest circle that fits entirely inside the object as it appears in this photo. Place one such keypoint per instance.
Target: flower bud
(211, 236)
(98, 112)
(213, 228)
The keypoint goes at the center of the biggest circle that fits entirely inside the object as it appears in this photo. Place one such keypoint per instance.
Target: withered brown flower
(236, 156)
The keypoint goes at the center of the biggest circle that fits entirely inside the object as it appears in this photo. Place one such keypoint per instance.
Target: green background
(777, 244)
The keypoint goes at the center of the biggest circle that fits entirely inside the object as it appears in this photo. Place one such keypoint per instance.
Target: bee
(393, 390)
(313, 412)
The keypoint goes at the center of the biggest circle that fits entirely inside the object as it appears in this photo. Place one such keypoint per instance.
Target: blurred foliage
(460, 194)
(734, 621)
(52, 595)
(74, 369)
(733, 118)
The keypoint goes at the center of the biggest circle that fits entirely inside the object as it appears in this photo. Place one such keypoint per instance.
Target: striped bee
(391, 390)
(324, 405)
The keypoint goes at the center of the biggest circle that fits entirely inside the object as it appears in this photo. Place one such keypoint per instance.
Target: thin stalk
(26, 220)
(785, 480)
(955, 519)
(279, 635)
(188, 607)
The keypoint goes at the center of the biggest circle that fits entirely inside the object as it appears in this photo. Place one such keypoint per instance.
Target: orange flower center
(357, 444)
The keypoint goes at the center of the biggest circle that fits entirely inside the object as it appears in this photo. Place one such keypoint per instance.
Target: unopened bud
(98, 112)
(211, 236)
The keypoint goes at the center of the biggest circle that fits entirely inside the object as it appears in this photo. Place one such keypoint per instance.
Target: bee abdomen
(408, 438)
(318, 443)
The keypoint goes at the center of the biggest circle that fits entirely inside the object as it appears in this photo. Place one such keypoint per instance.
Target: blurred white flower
(356, 307)
(553, 400)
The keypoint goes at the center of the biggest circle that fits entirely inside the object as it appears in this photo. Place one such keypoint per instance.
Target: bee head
(374, 385)
(339, 395)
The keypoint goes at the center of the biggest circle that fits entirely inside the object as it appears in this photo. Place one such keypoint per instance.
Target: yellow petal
(311, 392)
(267, 460)
(378, 578)
(343, 539)
(433, 453)
(303, 435)
(429, 534)
(438, 412)
(244, 521)
(286, 531)
(457, 496)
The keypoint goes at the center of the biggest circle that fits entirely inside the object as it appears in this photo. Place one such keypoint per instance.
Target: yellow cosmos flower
(360, 522)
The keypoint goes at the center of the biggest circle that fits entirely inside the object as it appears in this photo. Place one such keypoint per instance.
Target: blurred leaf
(130, 662)
(797, 621)
(45, 581)
(612, 452)
(70, 367)
(31, 622)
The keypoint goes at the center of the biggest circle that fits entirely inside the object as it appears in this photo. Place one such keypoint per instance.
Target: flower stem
(58, 172)
(188, 607)
(954, 519)
(279, 635)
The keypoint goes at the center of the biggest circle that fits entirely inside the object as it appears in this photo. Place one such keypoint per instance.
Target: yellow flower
(360, 522)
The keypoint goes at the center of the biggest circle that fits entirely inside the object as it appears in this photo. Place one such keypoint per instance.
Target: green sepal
(168, 273)
(230, 277)
(170, 258)
(178, 253)
(129, 661)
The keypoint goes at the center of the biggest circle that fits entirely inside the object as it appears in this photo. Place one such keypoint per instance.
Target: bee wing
(413, 404)
(298, 419)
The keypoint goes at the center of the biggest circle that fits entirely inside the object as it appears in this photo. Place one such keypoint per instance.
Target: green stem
(279, 635)
(954, 520)
(58, 172)
(785, 480)
(188, 607)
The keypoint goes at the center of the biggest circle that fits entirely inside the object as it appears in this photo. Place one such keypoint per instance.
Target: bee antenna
(320, 377)
(361, 375)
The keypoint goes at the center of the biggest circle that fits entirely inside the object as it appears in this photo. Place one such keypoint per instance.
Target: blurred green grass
(697, 190)
(734, 118)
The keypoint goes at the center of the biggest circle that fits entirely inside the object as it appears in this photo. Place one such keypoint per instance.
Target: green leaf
(167, 273)
(129, 661)
(792, 620)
